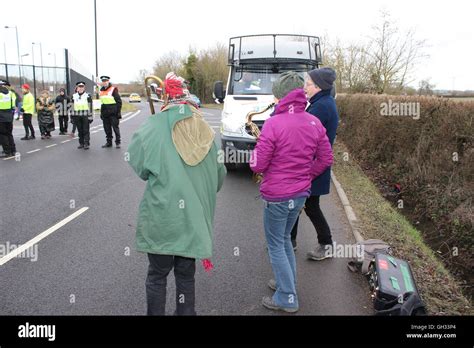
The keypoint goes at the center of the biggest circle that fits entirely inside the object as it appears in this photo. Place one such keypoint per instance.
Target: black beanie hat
(324, 78)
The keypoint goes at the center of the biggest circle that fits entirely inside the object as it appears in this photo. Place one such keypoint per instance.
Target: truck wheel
(230, 166)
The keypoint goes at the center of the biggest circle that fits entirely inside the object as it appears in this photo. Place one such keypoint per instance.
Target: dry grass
(378, 219)
(417, 155)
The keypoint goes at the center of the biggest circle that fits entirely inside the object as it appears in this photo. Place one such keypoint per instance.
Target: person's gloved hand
(119, 116)
(22, 110)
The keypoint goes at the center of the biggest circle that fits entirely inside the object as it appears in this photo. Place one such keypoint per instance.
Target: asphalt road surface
(88, 266)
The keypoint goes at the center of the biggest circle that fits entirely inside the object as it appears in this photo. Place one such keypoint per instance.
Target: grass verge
(441, 293)
(127, 107)
(213, 106)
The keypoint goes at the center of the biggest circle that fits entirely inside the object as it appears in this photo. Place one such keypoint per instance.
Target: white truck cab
(255, 62)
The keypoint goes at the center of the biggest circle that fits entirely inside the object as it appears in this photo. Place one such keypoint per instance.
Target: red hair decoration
(173, 88)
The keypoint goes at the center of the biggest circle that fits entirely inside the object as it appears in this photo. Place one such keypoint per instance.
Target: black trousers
(6, 137)
(28, 125)
(83, 129)
(63, 120)
(74, 127)
(313, 210)
(158, 270)
(111, 122)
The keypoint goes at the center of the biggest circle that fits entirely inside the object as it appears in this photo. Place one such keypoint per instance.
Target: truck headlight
(230, 125)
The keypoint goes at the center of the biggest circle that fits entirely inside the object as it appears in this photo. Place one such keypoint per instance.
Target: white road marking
(128, 118)
(34, 151)
(41, 236)
(130, 114)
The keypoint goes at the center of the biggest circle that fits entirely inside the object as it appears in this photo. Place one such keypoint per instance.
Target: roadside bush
(427, 158)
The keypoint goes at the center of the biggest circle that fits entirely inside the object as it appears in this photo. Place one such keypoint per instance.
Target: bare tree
(393, 55)
(209, 66)
(351, 66)
(171, 61)
(426, 87)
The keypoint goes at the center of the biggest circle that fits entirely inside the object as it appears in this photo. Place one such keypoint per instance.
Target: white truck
(255, 62)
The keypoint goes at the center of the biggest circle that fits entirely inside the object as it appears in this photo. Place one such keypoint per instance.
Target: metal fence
(50, 78)
(38, 77)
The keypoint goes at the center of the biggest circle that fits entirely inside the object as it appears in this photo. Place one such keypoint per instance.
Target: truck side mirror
(219, 93)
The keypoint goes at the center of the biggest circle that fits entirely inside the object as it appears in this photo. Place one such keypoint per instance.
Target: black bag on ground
(393, 287)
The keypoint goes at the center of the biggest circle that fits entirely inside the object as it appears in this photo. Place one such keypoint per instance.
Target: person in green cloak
(175, 153)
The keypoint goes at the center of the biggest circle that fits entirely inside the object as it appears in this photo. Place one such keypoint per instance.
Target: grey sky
(132, 34)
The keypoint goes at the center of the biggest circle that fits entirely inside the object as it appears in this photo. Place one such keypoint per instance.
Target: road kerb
(351, 217)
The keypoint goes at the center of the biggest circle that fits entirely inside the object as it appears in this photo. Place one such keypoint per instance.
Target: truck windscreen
(254, 80)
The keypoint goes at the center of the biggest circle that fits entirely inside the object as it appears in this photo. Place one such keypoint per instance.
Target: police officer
(110, 111)
(7, 106)
(82, 115)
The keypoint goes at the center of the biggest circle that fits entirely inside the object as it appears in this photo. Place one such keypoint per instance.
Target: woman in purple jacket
(292, 150)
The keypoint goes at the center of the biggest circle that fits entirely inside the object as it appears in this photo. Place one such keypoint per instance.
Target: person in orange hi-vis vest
(110, 111)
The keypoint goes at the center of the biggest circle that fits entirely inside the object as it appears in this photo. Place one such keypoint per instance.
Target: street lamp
(5, 51)
(41, 57)
(17, 48)
(21, 58)
(55, 71)
(23, 55)
(96, 57)
(33, 55)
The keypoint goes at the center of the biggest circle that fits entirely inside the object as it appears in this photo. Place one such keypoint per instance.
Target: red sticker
(383, 264)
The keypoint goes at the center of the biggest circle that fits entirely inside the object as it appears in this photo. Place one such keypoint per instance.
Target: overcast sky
(133, 34)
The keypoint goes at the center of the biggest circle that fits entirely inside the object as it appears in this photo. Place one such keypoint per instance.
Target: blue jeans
(278, 221)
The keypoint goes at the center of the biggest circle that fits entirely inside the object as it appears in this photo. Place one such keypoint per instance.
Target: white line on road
(41, 236)
(128, 118)
(34, 151)
(130, 114)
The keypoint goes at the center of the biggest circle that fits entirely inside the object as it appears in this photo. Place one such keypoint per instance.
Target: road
(89, 266)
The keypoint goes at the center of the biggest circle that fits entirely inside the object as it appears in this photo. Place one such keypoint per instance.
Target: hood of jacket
(293, 102)
(192, 136)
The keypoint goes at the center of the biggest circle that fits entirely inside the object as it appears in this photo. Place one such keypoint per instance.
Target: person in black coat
(110, 111)
(82, 114)
(45, 108)
(8, 103)
(319, 87)
(62, 108)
